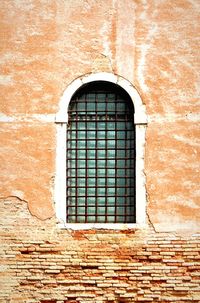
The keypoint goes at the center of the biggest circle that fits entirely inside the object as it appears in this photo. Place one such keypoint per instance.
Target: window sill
(110, 226)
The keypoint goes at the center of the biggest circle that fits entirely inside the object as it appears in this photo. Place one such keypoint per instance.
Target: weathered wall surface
(45, 45)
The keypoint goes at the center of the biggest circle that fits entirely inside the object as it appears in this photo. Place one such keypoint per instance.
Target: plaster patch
(173, 117)
(18, 193)
(182, 200)
(6, 79)
(143, 57)
(105, 40)
(27, 118)
(187, 140)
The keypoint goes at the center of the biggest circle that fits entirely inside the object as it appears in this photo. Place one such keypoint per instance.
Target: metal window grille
(101, 156)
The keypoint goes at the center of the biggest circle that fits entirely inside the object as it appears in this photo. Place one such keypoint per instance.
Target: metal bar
(125, 208)
(76, 174)
(96, 163)
(106, 162)
(86, 162)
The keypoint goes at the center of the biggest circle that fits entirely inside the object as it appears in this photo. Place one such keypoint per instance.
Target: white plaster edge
(140, 116)
(62, 115)
(60, 179)
(140, 131)
(86, 226)
(100, 77)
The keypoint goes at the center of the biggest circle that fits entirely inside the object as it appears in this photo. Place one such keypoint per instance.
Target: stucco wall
(45, 45)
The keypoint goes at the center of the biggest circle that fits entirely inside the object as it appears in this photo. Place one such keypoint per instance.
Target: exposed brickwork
(41, 263)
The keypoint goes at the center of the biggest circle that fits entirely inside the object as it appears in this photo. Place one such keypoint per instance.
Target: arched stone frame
(140, 121)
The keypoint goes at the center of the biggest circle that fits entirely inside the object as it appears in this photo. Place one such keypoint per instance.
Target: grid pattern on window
(100, 156)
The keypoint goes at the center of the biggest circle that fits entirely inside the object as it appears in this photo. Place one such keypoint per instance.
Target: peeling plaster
(30, 207)
(6, 80)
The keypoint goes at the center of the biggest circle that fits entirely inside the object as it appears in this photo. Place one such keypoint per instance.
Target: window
(100, 156)
(101, 126)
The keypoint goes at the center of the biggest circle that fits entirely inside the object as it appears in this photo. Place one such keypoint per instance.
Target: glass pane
(111, 163)
(110, 172)
(111, 210)
(101, 210)
(91, 97)
(111, 134)
(101, 106)
(91, 163)
(101, 154)
(111, 191)
(91, 144)
(120, 201)
(91, 201)
(110, 125)
(101, 134)
(91, 172)
(121, 181)
(81, 106)
(111, 97)
(91, 125)
(81, 201)
(121, 153)
(101, 201)
(110, 181)
(72, 144)
(91, 211)
(81, 163)
(91, 182)
(91, 191)
(81, 191)
(101, 172)
(91, 134)
(91, 154)
(111, 201)
(111, 154)
(111, 107)
(101, 182)
(121, 191)
(101, 97)
(101, 144)
(121, 106)
(80, 172)
(91, 107)
(102, 125)
(81, 134)
(101, 191)
(81, 153)
(121, 135)
(80, 144)
(80, 181)
(101, 163)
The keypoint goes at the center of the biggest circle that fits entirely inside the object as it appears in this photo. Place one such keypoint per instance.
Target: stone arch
(140, 121)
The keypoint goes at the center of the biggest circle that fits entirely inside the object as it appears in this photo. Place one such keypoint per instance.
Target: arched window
(100, 155)
(100, 180)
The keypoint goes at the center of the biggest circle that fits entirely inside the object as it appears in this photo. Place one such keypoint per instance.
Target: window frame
(140, 122)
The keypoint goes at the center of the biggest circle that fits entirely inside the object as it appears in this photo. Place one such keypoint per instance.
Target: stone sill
(110, 226)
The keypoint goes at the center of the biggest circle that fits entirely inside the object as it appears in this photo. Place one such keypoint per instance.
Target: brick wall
(41, 263)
